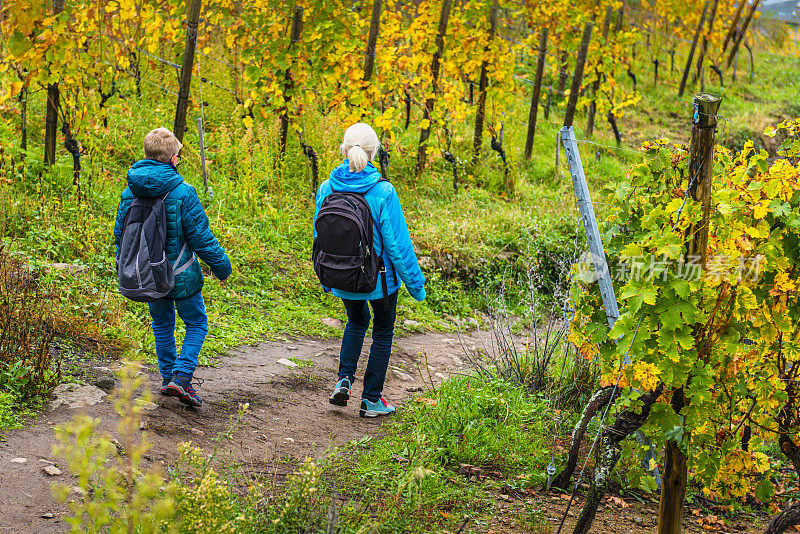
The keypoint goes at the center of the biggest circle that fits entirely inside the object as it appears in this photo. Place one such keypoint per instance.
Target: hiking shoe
(164, 383)
(341, 393)
(181, 386)
(374, 409)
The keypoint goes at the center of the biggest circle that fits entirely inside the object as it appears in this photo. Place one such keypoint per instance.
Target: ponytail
(358, 158)
(360, 145)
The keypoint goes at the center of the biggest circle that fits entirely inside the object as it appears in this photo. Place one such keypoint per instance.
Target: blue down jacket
(186, 223)
(389, 229)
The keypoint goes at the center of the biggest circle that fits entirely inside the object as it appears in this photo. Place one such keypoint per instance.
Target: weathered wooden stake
(23, 102)
(655, 73)
(740, 35)
(596, 85)
(297, 27)
(734, 25)
(691, 51)
(179, 126)
(374, 26)
(701, 167)
(537, 93)
(51, 113)
(479, 115)
(422, 152)
(704, 47)
(549, 102)
(577, 78)
(562, 75)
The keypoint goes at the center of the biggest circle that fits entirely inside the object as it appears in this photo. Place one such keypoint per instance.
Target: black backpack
(143, 271)
(343, 254)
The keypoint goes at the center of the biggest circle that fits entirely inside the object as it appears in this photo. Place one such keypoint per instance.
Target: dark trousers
(385, 311)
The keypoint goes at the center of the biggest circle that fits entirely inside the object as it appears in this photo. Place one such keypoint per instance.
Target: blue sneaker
(374, 409)
(341, 393)
(164, 383)
(181, 386)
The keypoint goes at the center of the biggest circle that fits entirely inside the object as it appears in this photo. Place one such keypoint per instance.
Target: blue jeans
(353, 340)
(193, 313)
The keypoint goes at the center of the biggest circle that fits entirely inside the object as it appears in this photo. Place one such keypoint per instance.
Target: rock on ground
(76, 396)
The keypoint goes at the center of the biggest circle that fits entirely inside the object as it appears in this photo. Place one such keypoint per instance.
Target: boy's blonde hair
(161, 144)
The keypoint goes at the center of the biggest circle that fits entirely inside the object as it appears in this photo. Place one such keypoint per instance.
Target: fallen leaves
(712, 523)
(616, 501)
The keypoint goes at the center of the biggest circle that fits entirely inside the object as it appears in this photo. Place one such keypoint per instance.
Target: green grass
(15, 411)
(422, 475)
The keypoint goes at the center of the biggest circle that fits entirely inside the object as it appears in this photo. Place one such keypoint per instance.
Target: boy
(187, 234)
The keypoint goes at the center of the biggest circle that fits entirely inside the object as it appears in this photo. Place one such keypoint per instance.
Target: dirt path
(289, 417)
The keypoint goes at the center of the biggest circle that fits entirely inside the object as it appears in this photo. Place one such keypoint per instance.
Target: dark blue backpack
(143, 271)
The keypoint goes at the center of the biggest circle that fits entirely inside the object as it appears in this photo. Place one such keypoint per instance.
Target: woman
(392, 244)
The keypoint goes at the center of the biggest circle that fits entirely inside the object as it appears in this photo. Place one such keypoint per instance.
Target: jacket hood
(343, 180)
(149, 178)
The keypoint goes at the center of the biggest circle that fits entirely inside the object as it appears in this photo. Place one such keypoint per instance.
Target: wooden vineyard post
(562, 75)
(655, 73)
(297, 26)
(23, 119)
(425, 133)
(704, 47)
(740, 35)
(701, 167)
(537, 93)
(374, 26)
(51, 113)
(734, 25)
(691, 50)
(701, 164)
(548, 102)
(179, 126)
(577, 78)
(480, 113)
(596, 85)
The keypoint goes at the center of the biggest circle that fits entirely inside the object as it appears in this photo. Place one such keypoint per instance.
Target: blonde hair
(360, 145)
(161, 144)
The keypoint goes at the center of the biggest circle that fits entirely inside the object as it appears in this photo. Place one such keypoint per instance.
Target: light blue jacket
(389, 229)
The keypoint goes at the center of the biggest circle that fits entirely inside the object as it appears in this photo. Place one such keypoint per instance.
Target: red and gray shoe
(164, 383)
(181, 386)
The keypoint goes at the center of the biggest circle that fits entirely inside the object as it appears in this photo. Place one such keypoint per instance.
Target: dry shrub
(27, 365)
